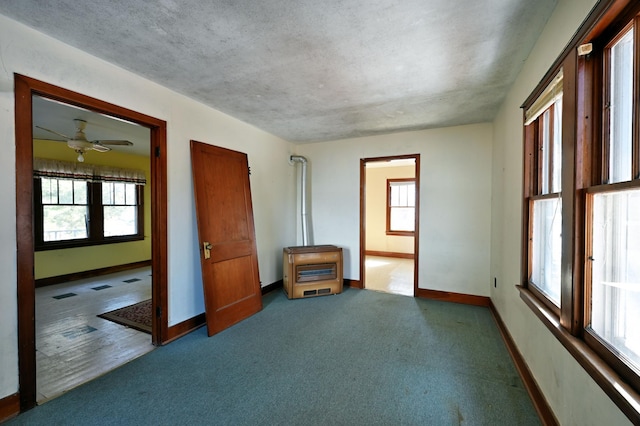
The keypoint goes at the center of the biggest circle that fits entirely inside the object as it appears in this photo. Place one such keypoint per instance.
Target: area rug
(137, 316)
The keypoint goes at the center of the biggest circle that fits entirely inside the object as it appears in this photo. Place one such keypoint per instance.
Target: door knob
(206, 247)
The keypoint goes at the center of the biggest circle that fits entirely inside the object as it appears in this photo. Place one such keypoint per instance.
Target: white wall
(574, 397)
(27, 52)
(455, 200)
(376, 210)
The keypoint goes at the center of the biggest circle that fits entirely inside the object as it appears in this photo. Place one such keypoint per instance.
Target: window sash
(546, 246)
(401, 202)
(614, 270)
(619, 107)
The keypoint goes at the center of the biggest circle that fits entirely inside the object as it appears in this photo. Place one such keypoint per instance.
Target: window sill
(87, 243)
(620, 392)
(401, 233)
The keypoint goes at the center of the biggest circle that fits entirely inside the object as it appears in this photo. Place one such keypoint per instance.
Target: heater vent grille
(316, 272)
(312, 271)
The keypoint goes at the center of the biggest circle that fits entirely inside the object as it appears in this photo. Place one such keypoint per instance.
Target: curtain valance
(44, 167)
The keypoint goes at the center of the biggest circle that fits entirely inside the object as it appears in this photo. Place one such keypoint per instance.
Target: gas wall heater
(312, 271)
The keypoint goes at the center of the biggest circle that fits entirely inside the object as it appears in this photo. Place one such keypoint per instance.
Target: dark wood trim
(389, 254)
(416, 238)
(25, 244)
(272, 287)
(363, 221)
(600, 16)
(9, 407)
(537, 397)
(353, 283)
(24, 89)
(43, 282)
(185, 327)
(620, 392)
(571, 259)
(159, 242)
(446, 296)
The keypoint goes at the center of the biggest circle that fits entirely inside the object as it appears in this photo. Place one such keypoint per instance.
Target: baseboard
(539, 402)
(445, 296)
(352, 283)
(271, 287)
(388, 254)
(185, 327)
(176, 331)
(9, 407)
(42, 282)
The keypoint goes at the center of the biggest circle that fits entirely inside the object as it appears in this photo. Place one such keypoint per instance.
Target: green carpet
(358, 358)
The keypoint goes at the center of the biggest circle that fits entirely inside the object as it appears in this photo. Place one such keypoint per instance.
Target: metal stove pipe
(303, 196)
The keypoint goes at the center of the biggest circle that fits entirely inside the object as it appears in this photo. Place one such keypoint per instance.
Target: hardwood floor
(389, 275)
(73, 345)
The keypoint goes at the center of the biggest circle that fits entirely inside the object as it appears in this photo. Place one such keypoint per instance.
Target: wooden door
(226, 232)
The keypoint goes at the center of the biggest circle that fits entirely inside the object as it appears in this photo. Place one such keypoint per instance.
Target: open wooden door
(226, 232)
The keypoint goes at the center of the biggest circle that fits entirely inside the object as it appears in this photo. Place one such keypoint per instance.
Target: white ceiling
(309, 70)
(59, 117)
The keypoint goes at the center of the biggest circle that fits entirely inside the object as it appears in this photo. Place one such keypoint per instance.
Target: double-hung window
(544, 138)
(612, 308)
(581, 195)
(80, 205)
(401, 206)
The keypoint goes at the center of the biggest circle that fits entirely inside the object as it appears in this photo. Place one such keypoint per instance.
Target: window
(581, 235)
(64, 210)
(544, 127)
(77, 205)
(612, 306)
(401, 206)
(120, 209)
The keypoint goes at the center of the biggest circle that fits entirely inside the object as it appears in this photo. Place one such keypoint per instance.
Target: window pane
(546, 150)
(118, 193)
(107, 193)
(547, 246)
(49, 191)
(65, 191)
(556, 185)
(120, 220)
(620, 111)
(402, 219)
(130, 194)
(615, 297)
(79, 192)
(64, 222)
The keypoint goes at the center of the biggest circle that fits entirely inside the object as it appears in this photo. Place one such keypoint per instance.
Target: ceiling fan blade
(52, 140)
(100, 148)
(54, 132)
(114, 142)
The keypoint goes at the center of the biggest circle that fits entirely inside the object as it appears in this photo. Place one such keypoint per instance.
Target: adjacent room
(338, 212)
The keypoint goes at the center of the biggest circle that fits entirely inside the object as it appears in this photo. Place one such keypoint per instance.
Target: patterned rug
(136, 316)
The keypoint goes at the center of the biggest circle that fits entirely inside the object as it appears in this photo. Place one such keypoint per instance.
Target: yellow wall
(52, 263)
(376, 210)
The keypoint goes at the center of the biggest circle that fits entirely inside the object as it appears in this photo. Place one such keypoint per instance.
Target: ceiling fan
(80, 144)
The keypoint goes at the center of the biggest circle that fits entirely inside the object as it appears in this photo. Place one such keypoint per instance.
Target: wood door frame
(363, 231)
(25, 88)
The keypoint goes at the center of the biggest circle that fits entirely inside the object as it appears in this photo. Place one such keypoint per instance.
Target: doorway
(389, 223)
(25, 89)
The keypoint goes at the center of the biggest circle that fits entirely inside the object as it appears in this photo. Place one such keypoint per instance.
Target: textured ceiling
(309, 70)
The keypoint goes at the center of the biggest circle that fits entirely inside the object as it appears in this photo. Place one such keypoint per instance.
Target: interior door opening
(389, 218)
(76, 299)
(25, 90)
